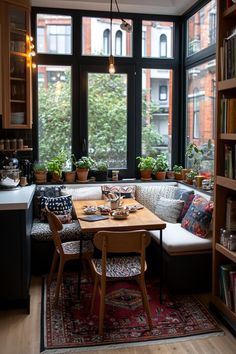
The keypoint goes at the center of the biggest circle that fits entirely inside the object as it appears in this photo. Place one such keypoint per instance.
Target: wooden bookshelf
(224, 187)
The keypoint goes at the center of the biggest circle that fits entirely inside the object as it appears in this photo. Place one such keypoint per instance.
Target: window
(196, 129)
(158, 39)
(163, 45)
(54, 120)
(201, 29)
(95, 37)
(163, 93)
(156, 118)
(106, 42)
(118, 44)
(54, 34)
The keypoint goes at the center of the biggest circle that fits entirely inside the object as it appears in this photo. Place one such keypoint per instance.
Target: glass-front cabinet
(17, 65)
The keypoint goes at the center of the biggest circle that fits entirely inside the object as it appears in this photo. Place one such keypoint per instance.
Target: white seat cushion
(176, 239)
(83, 193)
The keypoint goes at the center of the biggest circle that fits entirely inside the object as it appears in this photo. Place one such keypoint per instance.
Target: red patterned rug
(70, 325)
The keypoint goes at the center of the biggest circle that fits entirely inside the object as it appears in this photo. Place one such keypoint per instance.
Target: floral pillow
(61, 206)
(198, 216)
(125, 191)
(187, 197)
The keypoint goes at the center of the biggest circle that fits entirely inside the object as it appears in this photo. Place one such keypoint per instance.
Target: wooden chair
(117, 268)
(65, 251)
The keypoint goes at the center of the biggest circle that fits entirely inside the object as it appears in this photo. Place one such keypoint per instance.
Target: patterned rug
(70, 325)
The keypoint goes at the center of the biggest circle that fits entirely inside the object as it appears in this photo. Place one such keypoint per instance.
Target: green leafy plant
(85, 162)
(191, 174)
(55, 165)
(145, 163)
(101, 166)
(39, 166)
(177, 168)
(160, 164)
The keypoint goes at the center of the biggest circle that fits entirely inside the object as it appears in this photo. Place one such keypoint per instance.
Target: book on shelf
(230, 214)
(228, 161)
(225, 284)
(232, 277)
(229, 56)
(228, 115)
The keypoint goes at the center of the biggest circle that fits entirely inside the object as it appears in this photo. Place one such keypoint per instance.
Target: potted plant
(101, 171)
(178, 170)
(83, 165)
(190, 176)
(69, 173)
(40, 172)
(194, 154)
(145, 166)
(55, 166)
(160, 166)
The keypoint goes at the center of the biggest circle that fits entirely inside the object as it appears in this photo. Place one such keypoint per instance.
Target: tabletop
(141, 219)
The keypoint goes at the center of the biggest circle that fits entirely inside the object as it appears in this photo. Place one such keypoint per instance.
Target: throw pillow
(169, 209)
(149, 195)
(125, 191)
(187, 197)
(61, 206)
(198, 217)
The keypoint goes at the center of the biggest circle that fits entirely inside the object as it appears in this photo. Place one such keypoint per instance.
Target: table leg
(161, 266)
(80, 266)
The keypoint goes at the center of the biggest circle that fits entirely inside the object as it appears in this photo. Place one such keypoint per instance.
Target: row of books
(230, 161)
(230, 214)
(228, 115)
(228, 285)
(228, 56)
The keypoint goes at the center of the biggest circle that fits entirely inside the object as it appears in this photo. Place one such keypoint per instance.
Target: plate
(120, 217)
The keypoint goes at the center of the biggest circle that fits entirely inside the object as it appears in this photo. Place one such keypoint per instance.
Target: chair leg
(95, 288)
(59, 279)
(53, 267)
(102, 306)
(142, 285)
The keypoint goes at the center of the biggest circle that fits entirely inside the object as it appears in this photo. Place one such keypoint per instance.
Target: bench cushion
(83, 193)
(176, 239)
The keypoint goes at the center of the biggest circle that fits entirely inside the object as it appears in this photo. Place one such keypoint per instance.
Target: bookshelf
(224, 187)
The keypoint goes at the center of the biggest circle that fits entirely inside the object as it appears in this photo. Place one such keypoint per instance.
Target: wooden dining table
(142, 219)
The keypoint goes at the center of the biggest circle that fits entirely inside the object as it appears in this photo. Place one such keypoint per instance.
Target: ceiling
(163, 7)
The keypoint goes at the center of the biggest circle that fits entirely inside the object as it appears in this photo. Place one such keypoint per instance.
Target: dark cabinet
(15, 257)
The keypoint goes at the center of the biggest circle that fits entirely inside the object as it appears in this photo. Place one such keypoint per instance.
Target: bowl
(9, 178)
(90, 210)
(104, 209)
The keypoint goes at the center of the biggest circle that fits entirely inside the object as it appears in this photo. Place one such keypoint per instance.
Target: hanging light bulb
(111, 68)
(125, 26)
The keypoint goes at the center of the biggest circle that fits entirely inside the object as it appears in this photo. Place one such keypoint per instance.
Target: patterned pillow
(45, 191)
(198, 217)
(187, 197)
(125, 191)
(83, 193)
(61, 206)
(149, 195)
(169, 209)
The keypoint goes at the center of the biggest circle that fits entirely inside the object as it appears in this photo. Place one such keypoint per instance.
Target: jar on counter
(20, 144)
(232, 242)
(13, 144)
(115, 175)
(1, 144)
(7, 144)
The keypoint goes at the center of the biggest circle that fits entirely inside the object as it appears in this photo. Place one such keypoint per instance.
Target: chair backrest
(122, 242)
(55, 226)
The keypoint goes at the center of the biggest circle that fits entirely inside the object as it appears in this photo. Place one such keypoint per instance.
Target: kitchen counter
(17, 199)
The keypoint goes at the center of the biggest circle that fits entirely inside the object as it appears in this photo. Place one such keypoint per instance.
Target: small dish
(132, 208)
(104, 210)
(119, 216)
(90, 210)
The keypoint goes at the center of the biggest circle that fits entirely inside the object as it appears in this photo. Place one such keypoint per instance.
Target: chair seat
(119, 267)
(73, 247)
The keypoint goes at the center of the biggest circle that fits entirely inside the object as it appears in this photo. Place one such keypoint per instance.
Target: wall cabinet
(225, 174)
(16, 64)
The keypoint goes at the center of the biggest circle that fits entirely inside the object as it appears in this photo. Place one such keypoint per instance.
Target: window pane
(54, 110)
(54, 34)
(96, 37)
(156, 112)
(107, 118)
(157, 39)
(201, 81)
(202, 29)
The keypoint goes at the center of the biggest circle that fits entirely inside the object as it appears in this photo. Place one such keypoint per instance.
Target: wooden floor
(20, 334)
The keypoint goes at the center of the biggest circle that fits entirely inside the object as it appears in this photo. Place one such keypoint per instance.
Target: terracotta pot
(146, 174)
(40, 177)
(178, 176)
(184, 172)
(69, 176)
(82, 174)
(160, 175)
(170, 175)
(189, 180)
(55, 177)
